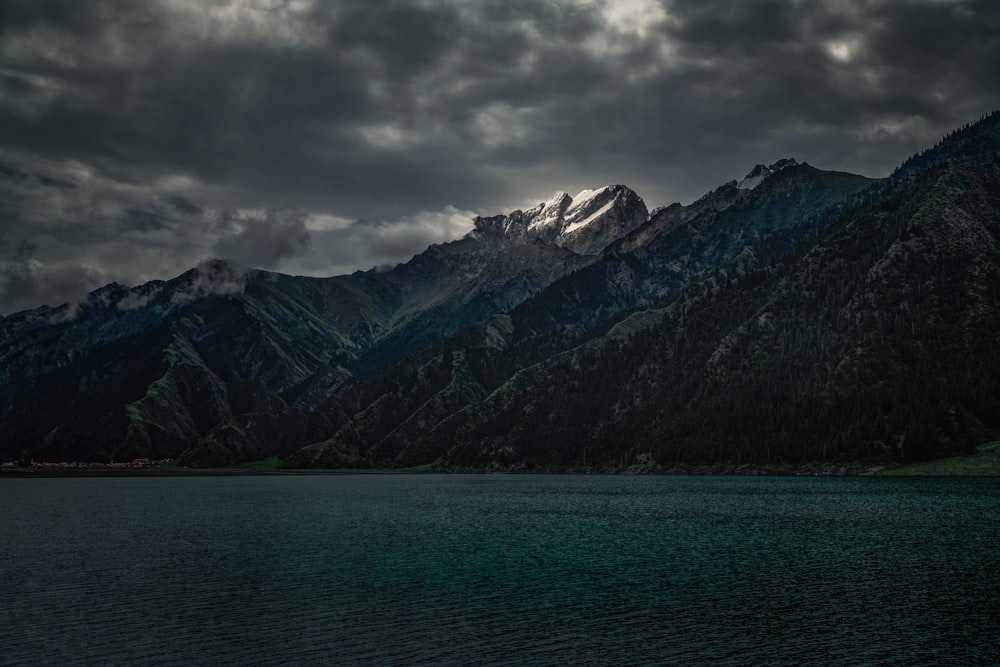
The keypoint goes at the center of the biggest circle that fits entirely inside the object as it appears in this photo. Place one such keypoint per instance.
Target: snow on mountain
(584, 224)
(583, 198)
(761, 172)
(548, 214)
(577, 224)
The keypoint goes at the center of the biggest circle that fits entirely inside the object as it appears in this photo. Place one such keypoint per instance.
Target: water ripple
(499, 570)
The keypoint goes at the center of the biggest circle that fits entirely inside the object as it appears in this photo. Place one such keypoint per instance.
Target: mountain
(585, 224)
(874, 338)
(973, 143)
(504, 260)
(761, 172)
(155, 370)
(148, 371)
(877, 340)
(741, 228)
(796, 315)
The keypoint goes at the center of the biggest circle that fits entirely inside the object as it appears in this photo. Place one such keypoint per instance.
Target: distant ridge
(975, 142)
(795, 316)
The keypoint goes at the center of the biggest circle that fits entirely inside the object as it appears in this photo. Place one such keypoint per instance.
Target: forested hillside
(876, 338)
(795, 316)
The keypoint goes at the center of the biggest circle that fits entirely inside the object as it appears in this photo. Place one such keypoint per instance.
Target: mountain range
(796, 315)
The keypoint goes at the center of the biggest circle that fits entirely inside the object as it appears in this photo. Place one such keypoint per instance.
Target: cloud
(138, 298)
(125, 128)
(264, 240)
(213, 277)
(29, 283)
(382, 243)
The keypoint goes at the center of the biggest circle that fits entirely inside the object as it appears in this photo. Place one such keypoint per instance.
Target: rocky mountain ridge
(761, 172)
(741, 228)
(872, 339)
(152, 370)
(585, 224)
(582, 333)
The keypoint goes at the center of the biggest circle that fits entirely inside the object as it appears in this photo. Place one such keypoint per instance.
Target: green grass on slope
(986, 461)
(272, 463)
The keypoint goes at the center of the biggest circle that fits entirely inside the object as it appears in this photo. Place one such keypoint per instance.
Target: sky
(140, 138)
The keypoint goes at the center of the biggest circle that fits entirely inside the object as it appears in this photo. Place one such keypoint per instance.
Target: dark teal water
(392, 570)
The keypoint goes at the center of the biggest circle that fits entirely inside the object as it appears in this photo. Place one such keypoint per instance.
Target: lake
(499, 569)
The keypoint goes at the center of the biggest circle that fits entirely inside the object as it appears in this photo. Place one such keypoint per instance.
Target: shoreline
(28, 473)
(984, 463)
(679, 470)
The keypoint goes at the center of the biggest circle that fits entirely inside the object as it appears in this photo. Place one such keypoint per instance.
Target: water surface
(428, 569)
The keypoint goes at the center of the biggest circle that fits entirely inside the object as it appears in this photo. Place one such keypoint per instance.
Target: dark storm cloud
(26, 285)
(25, 282)
(263, 240)
(126, 129)
(346, 246)
(185, 206)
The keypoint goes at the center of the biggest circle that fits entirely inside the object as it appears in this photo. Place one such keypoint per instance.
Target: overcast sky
(139, 138)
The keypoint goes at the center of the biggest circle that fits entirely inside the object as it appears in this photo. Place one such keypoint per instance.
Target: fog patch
(27, 283)
(381, 244)
(138, 298)
(213, 277)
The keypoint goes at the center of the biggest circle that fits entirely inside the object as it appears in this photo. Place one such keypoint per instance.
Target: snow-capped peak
(585, 224)
(578, 223)
(549, 212)
(552, 203)
(556, 199)
(584, 197)
(761, 172)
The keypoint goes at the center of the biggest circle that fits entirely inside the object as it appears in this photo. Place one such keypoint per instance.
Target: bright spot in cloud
(388, 136)
(628, 24)
(273, 23)
(843, 50)
(321, 222)
(500, 124)
(633, 17)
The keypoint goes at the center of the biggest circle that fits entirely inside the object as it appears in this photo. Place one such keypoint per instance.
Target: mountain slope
(148, 371)
(876, 338)
(216, 360)
(585, 224)
(744, 228)
(974, 143)
(795, 315)
(878, 341)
